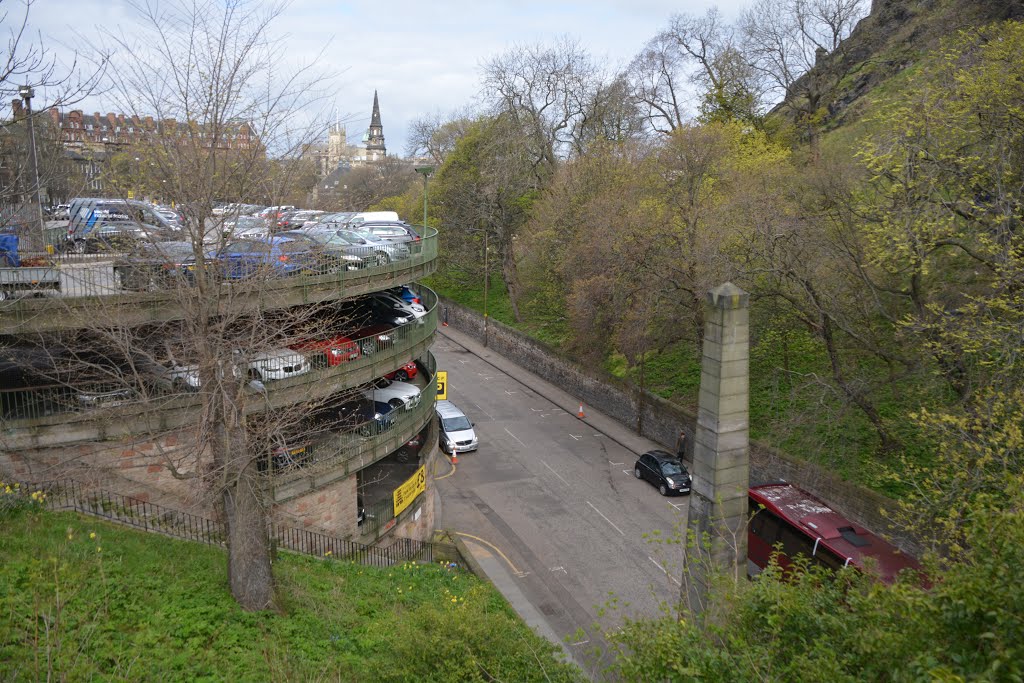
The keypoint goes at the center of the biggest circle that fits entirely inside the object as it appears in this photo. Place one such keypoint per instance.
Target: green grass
(84, 600)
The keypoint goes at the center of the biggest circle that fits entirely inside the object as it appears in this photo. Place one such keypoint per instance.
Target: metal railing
(24, 407)
(85, 286)
(69, 494)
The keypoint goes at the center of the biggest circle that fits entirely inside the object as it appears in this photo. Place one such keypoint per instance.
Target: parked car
(328, 352)
(373, 338)
(395, 394)
(351, 414)
(367, 311)
(389, 232)
(411, 449)
(152, 266)
(352, 250)
(112, 238)
(89, 216)
(244, 226)
(455, 432)
(664, 471)
(276, 255)
(404, 373)
(288, 456)
(274, 364)
(292, 220)
(399, 305)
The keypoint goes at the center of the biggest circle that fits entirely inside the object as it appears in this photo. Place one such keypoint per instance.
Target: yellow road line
(492, 547)
(443, 476)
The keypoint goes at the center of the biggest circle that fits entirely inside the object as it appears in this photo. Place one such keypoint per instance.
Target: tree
(435, 136)
(209, 76)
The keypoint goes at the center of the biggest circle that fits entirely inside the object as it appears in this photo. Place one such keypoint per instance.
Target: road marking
(514, 437)
(444, 476)
(676, 505)
(555, 473)
(496, 549)
(484, 412)
(576, 437)
(511, 392)
(560, 569)
(598, 434)
(537, 410)
(545, 414)
(605, 518)
(628, 471)
(614, 464)
(664, 571)
(582, 642)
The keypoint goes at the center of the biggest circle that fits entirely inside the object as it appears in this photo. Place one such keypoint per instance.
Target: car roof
(662, 456)
(448, 409)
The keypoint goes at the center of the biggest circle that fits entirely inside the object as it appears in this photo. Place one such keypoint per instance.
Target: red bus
(804, 525)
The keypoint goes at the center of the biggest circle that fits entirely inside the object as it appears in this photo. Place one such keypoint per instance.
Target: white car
(276, 364)
(395, 394)
(401, 306)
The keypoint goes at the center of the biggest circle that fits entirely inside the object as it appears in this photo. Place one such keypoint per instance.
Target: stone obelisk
(721, 454)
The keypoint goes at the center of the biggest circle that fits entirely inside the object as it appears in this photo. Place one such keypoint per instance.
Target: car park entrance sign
(442, 385)
(408, 491)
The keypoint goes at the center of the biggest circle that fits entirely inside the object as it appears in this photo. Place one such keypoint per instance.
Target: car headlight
(401, 320)
(671, 481)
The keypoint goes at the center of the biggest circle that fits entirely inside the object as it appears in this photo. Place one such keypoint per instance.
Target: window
(764, 524)
(795, 542)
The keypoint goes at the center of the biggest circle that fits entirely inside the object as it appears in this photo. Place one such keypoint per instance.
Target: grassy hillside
(85, 600)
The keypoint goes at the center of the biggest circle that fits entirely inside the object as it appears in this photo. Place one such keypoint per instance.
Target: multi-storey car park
(136, 442)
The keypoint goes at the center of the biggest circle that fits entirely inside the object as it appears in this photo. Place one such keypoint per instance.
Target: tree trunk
(510, 273)
(249, 573)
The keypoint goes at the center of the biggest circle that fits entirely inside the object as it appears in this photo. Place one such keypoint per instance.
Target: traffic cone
(455, 457)
(580, 414)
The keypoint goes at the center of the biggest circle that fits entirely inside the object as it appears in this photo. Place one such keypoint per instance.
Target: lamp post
(487, 282)
(26, 94)
(425, 171)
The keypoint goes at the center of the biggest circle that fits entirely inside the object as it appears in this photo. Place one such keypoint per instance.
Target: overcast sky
(422, 57)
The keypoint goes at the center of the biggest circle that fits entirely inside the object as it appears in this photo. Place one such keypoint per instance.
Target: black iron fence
(69, 494)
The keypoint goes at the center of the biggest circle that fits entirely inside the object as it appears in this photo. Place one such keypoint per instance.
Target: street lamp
(425, 171)
(26, 93)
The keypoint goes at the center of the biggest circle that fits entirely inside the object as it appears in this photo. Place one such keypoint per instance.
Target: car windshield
(456, 424)
(670, 468)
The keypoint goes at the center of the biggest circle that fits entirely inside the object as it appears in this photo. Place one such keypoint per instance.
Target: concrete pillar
(721, 454)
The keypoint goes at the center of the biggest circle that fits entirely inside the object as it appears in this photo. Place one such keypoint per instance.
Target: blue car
(276, 255)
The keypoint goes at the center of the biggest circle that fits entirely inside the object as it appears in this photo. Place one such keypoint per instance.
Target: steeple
(375, 149)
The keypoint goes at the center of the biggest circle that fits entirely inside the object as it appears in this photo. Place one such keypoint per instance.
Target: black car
(156, 266)
(352, 414)
(664, 471)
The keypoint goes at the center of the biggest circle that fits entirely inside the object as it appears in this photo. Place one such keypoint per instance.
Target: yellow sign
(407, 492)
(442, 385)
(131, 195)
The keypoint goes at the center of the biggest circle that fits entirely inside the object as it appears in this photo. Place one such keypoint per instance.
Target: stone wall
(660, 420)
(329, 510)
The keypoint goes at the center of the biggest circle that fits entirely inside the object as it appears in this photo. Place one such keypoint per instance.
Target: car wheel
(382, 259)
(663, 490)
(401, 376)
(636, 473)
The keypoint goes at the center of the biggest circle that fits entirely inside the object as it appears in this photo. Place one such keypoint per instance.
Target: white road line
(537, 410)
(545, 414)
(576, 437)
(605, 518)
(515, 437)
(555, 473)
(511, 392)
(664, 571)
(615, 464)
(677, 505)
(560, 569)
(484, 412)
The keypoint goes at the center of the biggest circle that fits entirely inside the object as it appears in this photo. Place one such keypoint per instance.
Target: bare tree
(658, 83)
(434, 136)
(209, 77)
(785, 39)
(544, 92)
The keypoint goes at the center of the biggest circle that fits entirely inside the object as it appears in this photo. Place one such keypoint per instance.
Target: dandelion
(455, 599)
(99, 549)
(92, 535)
(328, 553)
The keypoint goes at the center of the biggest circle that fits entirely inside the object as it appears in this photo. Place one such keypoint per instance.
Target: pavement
(488, 559)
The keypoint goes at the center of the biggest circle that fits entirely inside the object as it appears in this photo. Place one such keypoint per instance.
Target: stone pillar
(721, 454)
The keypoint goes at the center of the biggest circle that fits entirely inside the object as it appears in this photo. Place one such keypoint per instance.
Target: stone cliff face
(895, 35)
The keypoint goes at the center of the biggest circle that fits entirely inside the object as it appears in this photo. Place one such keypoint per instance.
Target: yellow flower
(92, 535)
(99, 549)
(455, 599)
(328, 553)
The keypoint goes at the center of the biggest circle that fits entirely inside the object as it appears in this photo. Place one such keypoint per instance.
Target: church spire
(375, 149)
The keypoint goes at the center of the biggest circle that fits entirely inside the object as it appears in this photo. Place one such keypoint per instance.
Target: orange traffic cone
(455, 457)
(580, 414)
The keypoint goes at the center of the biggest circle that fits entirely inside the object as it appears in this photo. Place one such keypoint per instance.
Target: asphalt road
(555, 498)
